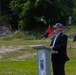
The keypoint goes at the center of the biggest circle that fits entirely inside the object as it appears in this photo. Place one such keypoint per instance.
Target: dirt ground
(11, 53)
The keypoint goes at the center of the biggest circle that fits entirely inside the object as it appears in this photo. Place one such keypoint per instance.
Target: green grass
(29, 66)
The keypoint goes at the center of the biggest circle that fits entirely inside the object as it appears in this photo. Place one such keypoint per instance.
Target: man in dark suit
(59, 44)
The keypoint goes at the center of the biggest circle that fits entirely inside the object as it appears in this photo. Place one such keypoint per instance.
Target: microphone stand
(40, 40)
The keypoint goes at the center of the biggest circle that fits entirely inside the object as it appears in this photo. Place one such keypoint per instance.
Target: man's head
(58, 27)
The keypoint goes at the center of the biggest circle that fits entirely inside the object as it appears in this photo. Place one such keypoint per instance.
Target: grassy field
(28, 67)
(17, 58)
(28, 64)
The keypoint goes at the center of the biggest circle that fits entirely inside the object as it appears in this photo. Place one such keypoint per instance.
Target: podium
(43, 54)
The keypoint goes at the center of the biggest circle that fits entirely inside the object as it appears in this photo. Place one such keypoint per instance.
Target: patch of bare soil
(8, 49)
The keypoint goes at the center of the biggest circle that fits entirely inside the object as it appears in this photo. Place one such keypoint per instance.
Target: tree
(30, 12)
(74, 12)
(4, 11)
(4, 6)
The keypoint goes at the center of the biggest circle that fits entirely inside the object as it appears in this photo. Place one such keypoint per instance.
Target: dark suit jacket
(60, 46)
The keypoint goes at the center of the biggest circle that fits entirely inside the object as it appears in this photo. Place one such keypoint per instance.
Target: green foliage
(29, 12)
(20, 35)
(26, 16)
(15, 35)
(22, 24)
(74, 16)
(4, 19)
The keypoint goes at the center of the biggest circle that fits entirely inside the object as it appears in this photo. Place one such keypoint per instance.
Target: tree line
(31, 14)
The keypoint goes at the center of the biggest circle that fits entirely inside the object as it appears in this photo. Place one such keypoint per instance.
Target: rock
(4, 31)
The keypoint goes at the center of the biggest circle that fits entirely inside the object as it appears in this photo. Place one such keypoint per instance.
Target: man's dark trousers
(58, 68)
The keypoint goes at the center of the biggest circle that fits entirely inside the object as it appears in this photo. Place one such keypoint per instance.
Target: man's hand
(51, 47)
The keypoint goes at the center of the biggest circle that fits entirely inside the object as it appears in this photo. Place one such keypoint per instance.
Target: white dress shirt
(56, 35)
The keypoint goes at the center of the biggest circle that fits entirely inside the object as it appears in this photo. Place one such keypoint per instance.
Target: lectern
(43, 53)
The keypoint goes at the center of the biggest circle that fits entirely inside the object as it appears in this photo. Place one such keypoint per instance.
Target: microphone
(45, 35)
